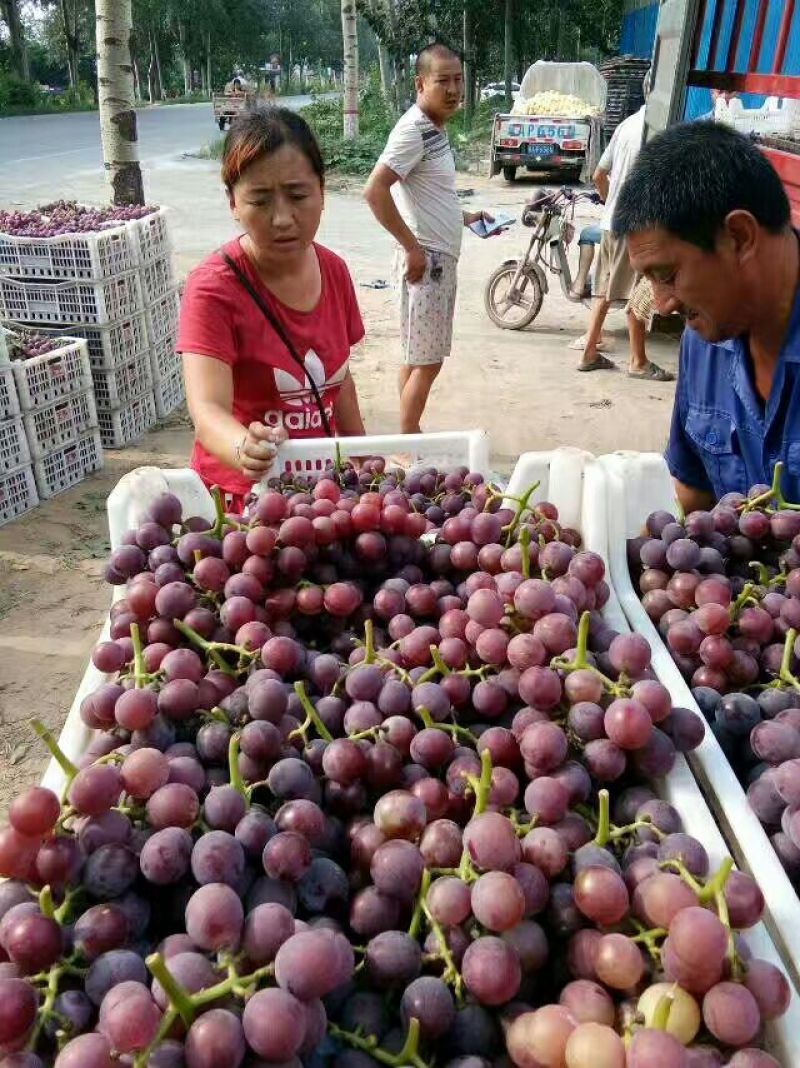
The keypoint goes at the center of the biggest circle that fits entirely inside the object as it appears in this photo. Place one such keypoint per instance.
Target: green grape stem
(140, 675)
(523, 506)
(408, 1055)
(419, 908)
(603, 819)
(786, 675)
(581, 662)
(234, 773)
(66, 765)
(312, 716)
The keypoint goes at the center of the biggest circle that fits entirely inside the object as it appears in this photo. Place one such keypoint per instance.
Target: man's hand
(416, 263)
(471, 217)
(258, 449)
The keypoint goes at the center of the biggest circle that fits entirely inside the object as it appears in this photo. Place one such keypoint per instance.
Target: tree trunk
(187, 67)
(209, 67)
(156, 86)
(469, 64)
(16, 35)
(69, 18)
(508, 50)
(350, 49)
(117, 113)
(386, 71)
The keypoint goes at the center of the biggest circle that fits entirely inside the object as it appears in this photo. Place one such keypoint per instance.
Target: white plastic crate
(603, 516)
(67, 420)
(90, 256)
(569, 477)
(17, 493)
(110, 345)
(68, 465)
(164, 360)
(638, 484)
(169, 393)
(162, 317)
(70, 302)
(14, 451)
(41, 380)
(128, 423)
(449, 448)
(158, 278)
(114, 388)
(149, 236)
(9, 398)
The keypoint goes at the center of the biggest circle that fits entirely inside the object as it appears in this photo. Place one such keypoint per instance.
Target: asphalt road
(41, 152)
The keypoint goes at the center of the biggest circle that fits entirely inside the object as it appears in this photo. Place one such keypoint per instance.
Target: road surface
(44, 155)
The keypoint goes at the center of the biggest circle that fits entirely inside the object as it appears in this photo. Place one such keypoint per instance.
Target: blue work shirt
(724, 438)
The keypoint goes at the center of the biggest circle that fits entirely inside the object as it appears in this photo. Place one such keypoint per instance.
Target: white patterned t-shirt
(419, 153)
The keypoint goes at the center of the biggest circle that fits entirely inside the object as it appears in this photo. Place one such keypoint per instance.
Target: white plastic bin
(121, 426)
(132, 495)
(68, 465)
(169, 393)
(14, 451)
(638, 484)
(97, 255)
(60, 423)
(43, 380)
(604, 533)
(9, 398)
(17, 493)
(65, 303)
(125, 383)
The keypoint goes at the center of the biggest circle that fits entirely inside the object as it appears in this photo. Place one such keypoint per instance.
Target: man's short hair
(432, 51)
(690, 177)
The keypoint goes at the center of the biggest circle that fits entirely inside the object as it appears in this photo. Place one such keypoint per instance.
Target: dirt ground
(521, 387)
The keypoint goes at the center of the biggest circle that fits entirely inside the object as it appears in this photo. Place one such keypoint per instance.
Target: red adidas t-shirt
(219, 318)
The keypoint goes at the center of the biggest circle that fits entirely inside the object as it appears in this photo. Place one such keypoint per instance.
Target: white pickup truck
(551, 139)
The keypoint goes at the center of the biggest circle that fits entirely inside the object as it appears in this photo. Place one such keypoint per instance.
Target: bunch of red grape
(26, 346)
(348, 804)
(724, 588)
(68, 217)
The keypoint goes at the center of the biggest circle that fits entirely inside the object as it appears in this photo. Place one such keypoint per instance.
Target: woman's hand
(258, 448)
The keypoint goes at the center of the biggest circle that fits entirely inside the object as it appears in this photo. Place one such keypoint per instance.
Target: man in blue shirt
(708, 222)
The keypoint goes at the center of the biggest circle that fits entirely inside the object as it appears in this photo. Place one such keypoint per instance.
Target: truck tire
(512, 311)
(221, 124)
(510, 173)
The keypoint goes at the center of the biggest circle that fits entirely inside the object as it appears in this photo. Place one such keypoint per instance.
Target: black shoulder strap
(278, 327)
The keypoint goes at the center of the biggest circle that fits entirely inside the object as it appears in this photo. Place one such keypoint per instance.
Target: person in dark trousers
(708, 222)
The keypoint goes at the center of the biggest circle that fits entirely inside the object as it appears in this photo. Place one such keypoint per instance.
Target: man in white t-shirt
(426, 220)
(616, 278)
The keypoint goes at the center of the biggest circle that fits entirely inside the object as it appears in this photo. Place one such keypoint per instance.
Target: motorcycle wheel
(512, 310)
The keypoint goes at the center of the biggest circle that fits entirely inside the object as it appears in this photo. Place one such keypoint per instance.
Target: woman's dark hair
(262, 131)
(688, 180)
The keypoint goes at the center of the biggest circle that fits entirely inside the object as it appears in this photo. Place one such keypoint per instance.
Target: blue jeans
(590, 235)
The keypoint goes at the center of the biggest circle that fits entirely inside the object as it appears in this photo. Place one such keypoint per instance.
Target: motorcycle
(516, 289)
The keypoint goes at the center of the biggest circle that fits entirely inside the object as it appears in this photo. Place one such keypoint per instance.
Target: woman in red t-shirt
(246, 391)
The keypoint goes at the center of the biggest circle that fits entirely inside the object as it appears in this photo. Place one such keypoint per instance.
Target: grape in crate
(356, 798)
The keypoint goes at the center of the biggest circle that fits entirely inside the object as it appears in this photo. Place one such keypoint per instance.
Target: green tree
(9, 9)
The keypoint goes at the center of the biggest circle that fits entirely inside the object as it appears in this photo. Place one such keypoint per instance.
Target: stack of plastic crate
(56, 401)
(153, 248)
(88, 285)
(17, 486)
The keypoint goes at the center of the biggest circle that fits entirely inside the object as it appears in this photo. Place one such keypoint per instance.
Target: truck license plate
(540, 151)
